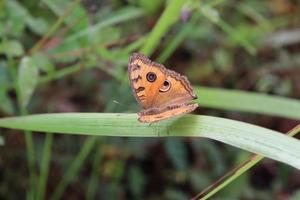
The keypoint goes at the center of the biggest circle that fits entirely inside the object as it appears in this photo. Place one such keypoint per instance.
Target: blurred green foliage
(71, 56)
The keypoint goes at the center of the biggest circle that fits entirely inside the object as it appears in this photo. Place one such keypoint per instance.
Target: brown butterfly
(162, 93)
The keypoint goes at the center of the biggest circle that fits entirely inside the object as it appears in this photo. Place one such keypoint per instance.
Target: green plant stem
(31, 161)
(227, 28)
(74, 168)
(177, 40)
(60, 74)
(184, 32)
(92, 186)
(236, 172)
(135, 45)
(45, 166)
(167, 19)
(55, 26)
(29, 146)
(28, 135)
(125, 14)
(71, 70)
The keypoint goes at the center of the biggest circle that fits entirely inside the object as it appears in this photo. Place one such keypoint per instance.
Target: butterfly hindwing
(179, 91)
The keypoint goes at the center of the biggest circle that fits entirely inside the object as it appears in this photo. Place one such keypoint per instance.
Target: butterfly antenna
(120, 104)
(116, 102)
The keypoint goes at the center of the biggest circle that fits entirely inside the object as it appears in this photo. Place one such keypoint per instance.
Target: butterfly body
(162, 93)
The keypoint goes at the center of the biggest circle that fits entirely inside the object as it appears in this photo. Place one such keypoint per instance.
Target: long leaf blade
(246, 136)
(248, 102)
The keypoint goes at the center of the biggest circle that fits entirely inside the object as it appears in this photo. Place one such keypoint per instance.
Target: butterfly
(162, 93)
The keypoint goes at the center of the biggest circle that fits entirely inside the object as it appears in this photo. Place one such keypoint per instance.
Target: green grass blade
(93, 182)
(176, 41)
(60, 74)
(212, 15)
(233, 174)
(54, 27)
(249, 137)
(167, 19)
(74, 169)
(248, 102)
(125, 14)
(30, 153)
(45, 166)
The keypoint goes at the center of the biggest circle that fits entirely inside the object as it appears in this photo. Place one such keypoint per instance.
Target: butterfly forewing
(144, 90)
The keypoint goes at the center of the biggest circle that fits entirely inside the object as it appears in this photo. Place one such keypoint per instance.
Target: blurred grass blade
(57, 8)
(248, 102)
(167, 19)
(93, 182)
(213, 15)
(55, 26)
(249, 137)
(176, 40)
(74, 168)
(122, 15)
(135, 45)
(45, 166)
(27, 80)
(236, 172)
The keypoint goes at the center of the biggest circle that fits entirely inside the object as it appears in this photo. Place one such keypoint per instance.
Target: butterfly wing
(162, 91)
(140, 69)
(175, 89)
(168, 113)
